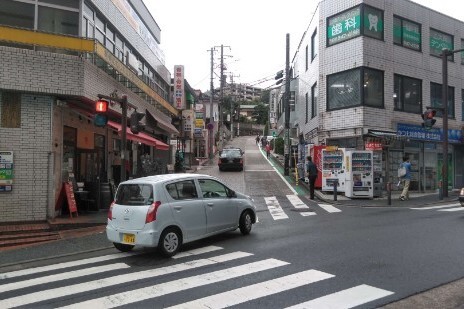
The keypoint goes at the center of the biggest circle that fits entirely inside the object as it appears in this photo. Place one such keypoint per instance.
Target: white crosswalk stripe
(53, 291)
(276, 211)
(442, 208)
(298, 204)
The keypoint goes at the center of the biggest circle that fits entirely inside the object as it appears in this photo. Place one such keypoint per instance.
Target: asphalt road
(300, 251)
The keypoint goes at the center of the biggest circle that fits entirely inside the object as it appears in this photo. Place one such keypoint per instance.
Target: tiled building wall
(33, 171)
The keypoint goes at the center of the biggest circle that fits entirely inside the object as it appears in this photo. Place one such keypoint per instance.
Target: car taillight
(151, 213)
(110, 211)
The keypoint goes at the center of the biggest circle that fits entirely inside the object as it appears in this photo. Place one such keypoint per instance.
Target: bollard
(440, 190)
(389, 193)
(335, 190)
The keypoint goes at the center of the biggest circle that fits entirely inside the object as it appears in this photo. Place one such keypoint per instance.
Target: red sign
(70, 198)
(373, 146)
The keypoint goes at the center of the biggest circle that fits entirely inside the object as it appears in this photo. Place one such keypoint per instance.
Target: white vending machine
(359, 174)
(333, 168)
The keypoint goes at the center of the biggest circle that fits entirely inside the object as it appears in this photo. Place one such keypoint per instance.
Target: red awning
(140, 137)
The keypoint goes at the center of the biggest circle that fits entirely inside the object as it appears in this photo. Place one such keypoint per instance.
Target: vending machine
(359, 174)
(315, 151)
(333, 168)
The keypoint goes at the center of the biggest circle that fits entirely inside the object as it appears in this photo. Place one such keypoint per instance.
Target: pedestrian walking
(311, 170)
(406, 179)
(257, 140)
(268, 149)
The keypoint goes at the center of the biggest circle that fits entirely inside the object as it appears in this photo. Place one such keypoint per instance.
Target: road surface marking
(348, 298)
(329, 208)
(255, 291)
(115, 280)
(36, 270)
(453, 209)
(298, 204)
(276, 211)
(196, 251)
(183, 284)
(62, 276)
(436, 207)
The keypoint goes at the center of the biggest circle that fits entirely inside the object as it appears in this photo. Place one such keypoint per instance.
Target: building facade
(365, 73)
(57, 58)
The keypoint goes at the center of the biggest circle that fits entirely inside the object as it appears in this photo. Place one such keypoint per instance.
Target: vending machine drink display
(359, 174)
(333, 169)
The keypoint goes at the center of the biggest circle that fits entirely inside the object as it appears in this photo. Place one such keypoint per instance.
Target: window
(213, 189)
(135, 195)
(17, 14)
(68, 3)
(307, 107)
(407, 33)
(462, 105)
(349, 24)
(407, 94)
(182, 190)
(306, 57)
(314, 100)
(462, 53)
(58, 21)
(436, 99)
(344, 89)
(314, 45)
(11, 109)
(440, 40)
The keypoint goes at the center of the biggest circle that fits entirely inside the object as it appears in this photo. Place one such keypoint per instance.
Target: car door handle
(177, 207)
(210, 204)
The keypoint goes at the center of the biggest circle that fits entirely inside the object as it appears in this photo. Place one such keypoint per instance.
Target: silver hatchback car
(168, 210)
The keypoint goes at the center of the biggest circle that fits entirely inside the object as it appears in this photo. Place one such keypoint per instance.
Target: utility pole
(221, 99)
(211, 112)
(232, 103)
(287, 108)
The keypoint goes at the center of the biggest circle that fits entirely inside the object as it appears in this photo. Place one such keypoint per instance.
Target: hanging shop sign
(435, 134)
(6, 171)
(179, 91)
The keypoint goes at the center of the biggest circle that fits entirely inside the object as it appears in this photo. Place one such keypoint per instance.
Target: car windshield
(134, 195)
(231, 153)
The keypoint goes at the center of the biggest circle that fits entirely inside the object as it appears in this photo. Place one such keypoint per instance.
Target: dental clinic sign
(360, 20)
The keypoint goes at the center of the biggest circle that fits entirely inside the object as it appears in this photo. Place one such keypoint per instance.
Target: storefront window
(345, 90)
(407, 94)
(440, 40)
(17, 14)
(436, 100)
(406, 33)
(58, 21)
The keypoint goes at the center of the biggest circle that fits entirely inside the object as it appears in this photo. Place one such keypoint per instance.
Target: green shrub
(279, 146)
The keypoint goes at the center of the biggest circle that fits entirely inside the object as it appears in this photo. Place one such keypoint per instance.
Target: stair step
(30, 235)
(23, 228)
(28, 240)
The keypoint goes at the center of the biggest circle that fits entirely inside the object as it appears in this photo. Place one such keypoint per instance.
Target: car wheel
(123, 247)
(170, 242)
(245, 223)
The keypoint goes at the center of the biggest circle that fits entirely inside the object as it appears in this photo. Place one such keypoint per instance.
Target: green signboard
(344, 26)
(373, 22)
(406, 33)
(6, 171)
(440, 41)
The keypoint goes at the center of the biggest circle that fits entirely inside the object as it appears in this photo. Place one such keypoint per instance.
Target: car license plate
(128, 238)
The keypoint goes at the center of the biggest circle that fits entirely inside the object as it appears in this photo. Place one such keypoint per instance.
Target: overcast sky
(253, 33)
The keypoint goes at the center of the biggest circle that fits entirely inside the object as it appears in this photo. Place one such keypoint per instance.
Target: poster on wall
(6, 171)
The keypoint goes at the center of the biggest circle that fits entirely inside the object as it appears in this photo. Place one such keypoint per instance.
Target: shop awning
(162, 123)
(140, 137)
(384, 135)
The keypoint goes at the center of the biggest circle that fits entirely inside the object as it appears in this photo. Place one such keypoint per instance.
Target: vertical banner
(6, 171)
(179, 96)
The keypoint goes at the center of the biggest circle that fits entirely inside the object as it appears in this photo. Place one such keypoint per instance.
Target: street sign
(273, 134)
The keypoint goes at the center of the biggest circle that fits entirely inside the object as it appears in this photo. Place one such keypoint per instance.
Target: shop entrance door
(90, 166)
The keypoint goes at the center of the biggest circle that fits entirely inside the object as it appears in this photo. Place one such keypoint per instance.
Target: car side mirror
(232, 193)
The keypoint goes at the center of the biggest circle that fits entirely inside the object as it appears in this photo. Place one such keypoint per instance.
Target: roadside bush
(279, 146)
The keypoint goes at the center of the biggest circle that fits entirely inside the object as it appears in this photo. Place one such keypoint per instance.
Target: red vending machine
(315, 151)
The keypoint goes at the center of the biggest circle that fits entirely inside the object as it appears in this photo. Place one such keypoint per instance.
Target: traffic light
(101, 113)
(427, 116)
(279, 77)
(135, 125)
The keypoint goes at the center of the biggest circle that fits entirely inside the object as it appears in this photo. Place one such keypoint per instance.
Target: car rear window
(231, 153)
(135, 195)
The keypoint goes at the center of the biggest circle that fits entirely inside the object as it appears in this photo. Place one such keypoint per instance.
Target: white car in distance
(169, 210)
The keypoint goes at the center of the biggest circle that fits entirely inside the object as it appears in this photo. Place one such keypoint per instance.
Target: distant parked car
(169, 210)
(461, 197)
(231, 158)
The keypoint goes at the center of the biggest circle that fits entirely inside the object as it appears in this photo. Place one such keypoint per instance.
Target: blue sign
(435, 134)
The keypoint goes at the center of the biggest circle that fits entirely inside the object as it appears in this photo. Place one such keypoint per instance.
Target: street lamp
(444, 98)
